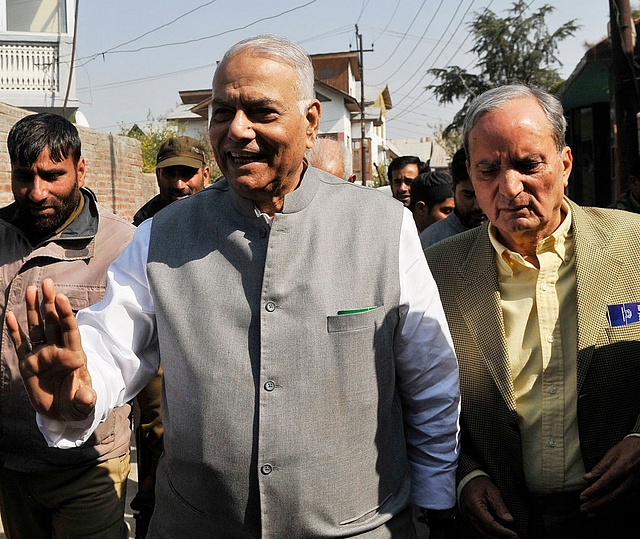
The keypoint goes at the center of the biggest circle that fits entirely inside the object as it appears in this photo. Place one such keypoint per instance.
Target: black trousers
(557, 516)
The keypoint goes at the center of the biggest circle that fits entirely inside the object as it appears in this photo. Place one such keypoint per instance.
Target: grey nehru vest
(281, 416)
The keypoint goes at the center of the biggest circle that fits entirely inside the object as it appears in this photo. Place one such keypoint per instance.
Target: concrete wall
(114, 167)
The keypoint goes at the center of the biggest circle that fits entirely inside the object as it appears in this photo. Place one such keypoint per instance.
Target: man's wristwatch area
(438, 519)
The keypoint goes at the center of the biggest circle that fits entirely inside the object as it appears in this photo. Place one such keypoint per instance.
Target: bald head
(331, 156)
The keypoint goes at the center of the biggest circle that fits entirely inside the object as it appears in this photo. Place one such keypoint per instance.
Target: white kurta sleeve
(119, 338)
(428, 378)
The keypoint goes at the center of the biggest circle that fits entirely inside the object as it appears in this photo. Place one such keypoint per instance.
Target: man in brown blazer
(543, 306)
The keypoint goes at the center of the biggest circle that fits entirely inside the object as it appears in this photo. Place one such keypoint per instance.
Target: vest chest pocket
(79, 298)
(356, 319)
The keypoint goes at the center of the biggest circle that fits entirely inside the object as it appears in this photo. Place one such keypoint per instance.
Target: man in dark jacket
(181, 170)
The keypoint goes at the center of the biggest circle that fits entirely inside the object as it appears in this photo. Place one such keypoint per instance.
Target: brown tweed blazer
(607, 255)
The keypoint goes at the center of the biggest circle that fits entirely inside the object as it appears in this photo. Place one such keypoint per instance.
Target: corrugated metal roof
(183, 112)
(423, 147)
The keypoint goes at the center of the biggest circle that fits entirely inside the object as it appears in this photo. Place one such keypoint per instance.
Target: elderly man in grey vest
(300, 399)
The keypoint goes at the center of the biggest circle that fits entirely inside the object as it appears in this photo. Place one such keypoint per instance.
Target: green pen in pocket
(356, 311)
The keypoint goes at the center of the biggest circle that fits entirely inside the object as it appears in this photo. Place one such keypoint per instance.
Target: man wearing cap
(431, 198)
(181, 170)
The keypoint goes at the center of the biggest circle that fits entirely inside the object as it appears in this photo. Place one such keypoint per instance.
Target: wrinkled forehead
(512, 127)
(517, 113)
(226, 72)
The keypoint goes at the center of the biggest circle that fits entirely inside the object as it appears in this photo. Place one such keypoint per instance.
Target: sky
(134, 56)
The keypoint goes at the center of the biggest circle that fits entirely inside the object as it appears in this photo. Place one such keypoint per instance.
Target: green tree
(518, 48)
(157, 130)
(451, 143)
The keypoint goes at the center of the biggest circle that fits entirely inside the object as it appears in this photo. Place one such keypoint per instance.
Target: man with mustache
(401, 172)
(181, 170)
(543, 303)
(299, 399)
(55, 229)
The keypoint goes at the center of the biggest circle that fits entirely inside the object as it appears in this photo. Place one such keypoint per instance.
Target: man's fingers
(52, 362)
(35, 325)
(483, 506)
(70, 334)
(85, 400)
(605, 500)
(48, 290)
(51, 319)
(18, 336)
(82, 397)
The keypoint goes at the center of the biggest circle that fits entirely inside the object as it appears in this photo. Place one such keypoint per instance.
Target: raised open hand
(53, 364)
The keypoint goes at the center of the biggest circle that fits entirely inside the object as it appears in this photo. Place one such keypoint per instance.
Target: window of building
(357, 159)
(47, 16)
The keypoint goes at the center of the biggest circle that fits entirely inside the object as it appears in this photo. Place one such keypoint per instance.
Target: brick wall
(114, 167)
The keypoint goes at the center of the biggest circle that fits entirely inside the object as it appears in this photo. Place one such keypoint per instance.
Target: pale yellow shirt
(539, 311)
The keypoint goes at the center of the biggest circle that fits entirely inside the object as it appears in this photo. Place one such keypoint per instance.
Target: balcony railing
(29, 67)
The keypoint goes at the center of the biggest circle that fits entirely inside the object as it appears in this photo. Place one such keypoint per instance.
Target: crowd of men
(297, 376)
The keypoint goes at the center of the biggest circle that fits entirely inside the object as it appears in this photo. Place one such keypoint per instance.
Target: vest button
(269, 385)
(270, 306)
(266, 469)
(262, 232)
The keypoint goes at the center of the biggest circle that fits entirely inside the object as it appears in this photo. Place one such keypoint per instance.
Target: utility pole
(73, 61)
(624, 92)
(363, 157)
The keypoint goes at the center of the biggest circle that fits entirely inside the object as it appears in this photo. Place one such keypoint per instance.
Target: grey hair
(284, 50)
(496, 97)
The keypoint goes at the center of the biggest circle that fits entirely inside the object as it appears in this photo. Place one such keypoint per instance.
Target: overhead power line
(406, 110)
(418, 43)
(439, 41)
(148, 32)
(413, 20)
(140, 80)
(195, 40)
(365, 3)
(389, 21)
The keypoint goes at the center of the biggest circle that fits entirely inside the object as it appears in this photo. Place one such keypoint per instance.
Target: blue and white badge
(623, 314)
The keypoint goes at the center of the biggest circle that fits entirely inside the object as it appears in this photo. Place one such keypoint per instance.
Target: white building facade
(36, 50)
